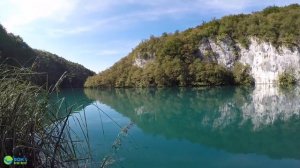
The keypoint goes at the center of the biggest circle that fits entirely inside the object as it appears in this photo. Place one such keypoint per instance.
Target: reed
(29, 124)
(34, 126)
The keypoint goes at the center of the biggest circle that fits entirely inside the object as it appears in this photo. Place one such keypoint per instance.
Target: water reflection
(262, 120)
(67, 100)
(270, 104)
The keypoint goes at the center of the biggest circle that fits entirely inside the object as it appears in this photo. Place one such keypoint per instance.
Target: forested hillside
(174, 59)
(15, 52)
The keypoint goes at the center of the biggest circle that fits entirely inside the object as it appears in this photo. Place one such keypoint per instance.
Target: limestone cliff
(243, 49)
(265, 60)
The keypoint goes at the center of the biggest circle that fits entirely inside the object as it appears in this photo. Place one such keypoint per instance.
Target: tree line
(173, 59)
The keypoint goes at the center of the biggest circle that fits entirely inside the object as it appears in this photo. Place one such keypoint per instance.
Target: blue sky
(97, 33)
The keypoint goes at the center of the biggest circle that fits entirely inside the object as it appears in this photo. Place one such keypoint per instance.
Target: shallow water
(191, 127)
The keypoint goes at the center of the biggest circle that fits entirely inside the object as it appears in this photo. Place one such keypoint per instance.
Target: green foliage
(55, 66)
(287, 79)
(241, 74)
(209, 54)
(15, 52)
(203, 74)
(173, 48)
(173, 59)
(269, 10)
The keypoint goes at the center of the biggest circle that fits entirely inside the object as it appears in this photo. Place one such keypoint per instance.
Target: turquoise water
(190, 127)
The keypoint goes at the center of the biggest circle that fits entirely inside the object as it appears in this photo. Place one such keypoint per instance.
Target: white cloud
(42, 22)
(106, 5)
(23, 12)
(144, 10)
(226, 5)
(206, 5)
(118, 21)
(118, 47)
(71, 31)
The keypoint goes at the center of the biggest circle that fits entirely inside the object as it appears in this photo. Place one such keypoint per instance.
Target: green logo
(8, 160)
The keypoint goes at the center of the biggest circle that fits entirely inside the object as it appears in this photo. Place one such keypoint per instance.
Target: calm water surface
(190, 127)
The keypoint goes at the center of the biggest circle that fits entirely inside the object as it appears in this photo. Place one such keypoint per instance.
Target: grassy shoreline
(28, 124)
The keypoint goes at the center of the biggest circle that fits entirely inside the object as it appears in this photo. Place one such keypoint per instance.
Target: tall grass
(29, 126)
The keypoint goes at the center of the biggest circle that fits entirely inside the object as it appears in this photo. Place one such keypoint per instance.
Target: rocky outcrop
(223, 52)
(140, 61)
(265, 60)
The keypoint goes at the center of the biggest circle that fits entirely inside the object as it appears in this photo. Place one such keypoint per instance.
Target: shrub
(241, 74)
(287, 79)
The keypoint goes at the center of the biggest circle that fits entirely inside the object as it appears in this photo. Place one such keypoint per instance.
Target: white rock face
(139, 62)
(265, 60)
(266, 105)
(269, 105)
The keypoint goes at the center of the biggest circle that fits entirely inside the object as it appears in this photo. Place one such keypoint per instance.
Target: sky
(97, 33)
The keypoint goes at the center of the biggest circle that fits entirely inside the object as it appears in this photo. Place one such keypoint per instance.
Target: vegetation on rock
(173, 59)
(242, 75)
(286, 79)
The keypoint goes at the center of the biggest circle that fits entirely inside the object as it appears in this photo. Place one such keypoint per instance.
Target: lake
(189, 127)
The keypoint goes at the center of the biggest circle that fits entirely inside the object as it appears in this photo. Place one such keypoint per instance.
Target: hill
(236, 49)
(15, 52)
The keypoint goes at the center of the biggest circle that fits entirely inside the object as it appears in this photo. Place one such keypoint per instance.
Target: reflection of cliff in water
(270, 104)
(263, 121)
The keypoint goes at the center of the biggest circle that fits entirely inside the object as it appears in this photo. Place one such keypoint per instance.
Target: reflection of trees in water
(69, 98)
(215, 107)
(260, 120)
